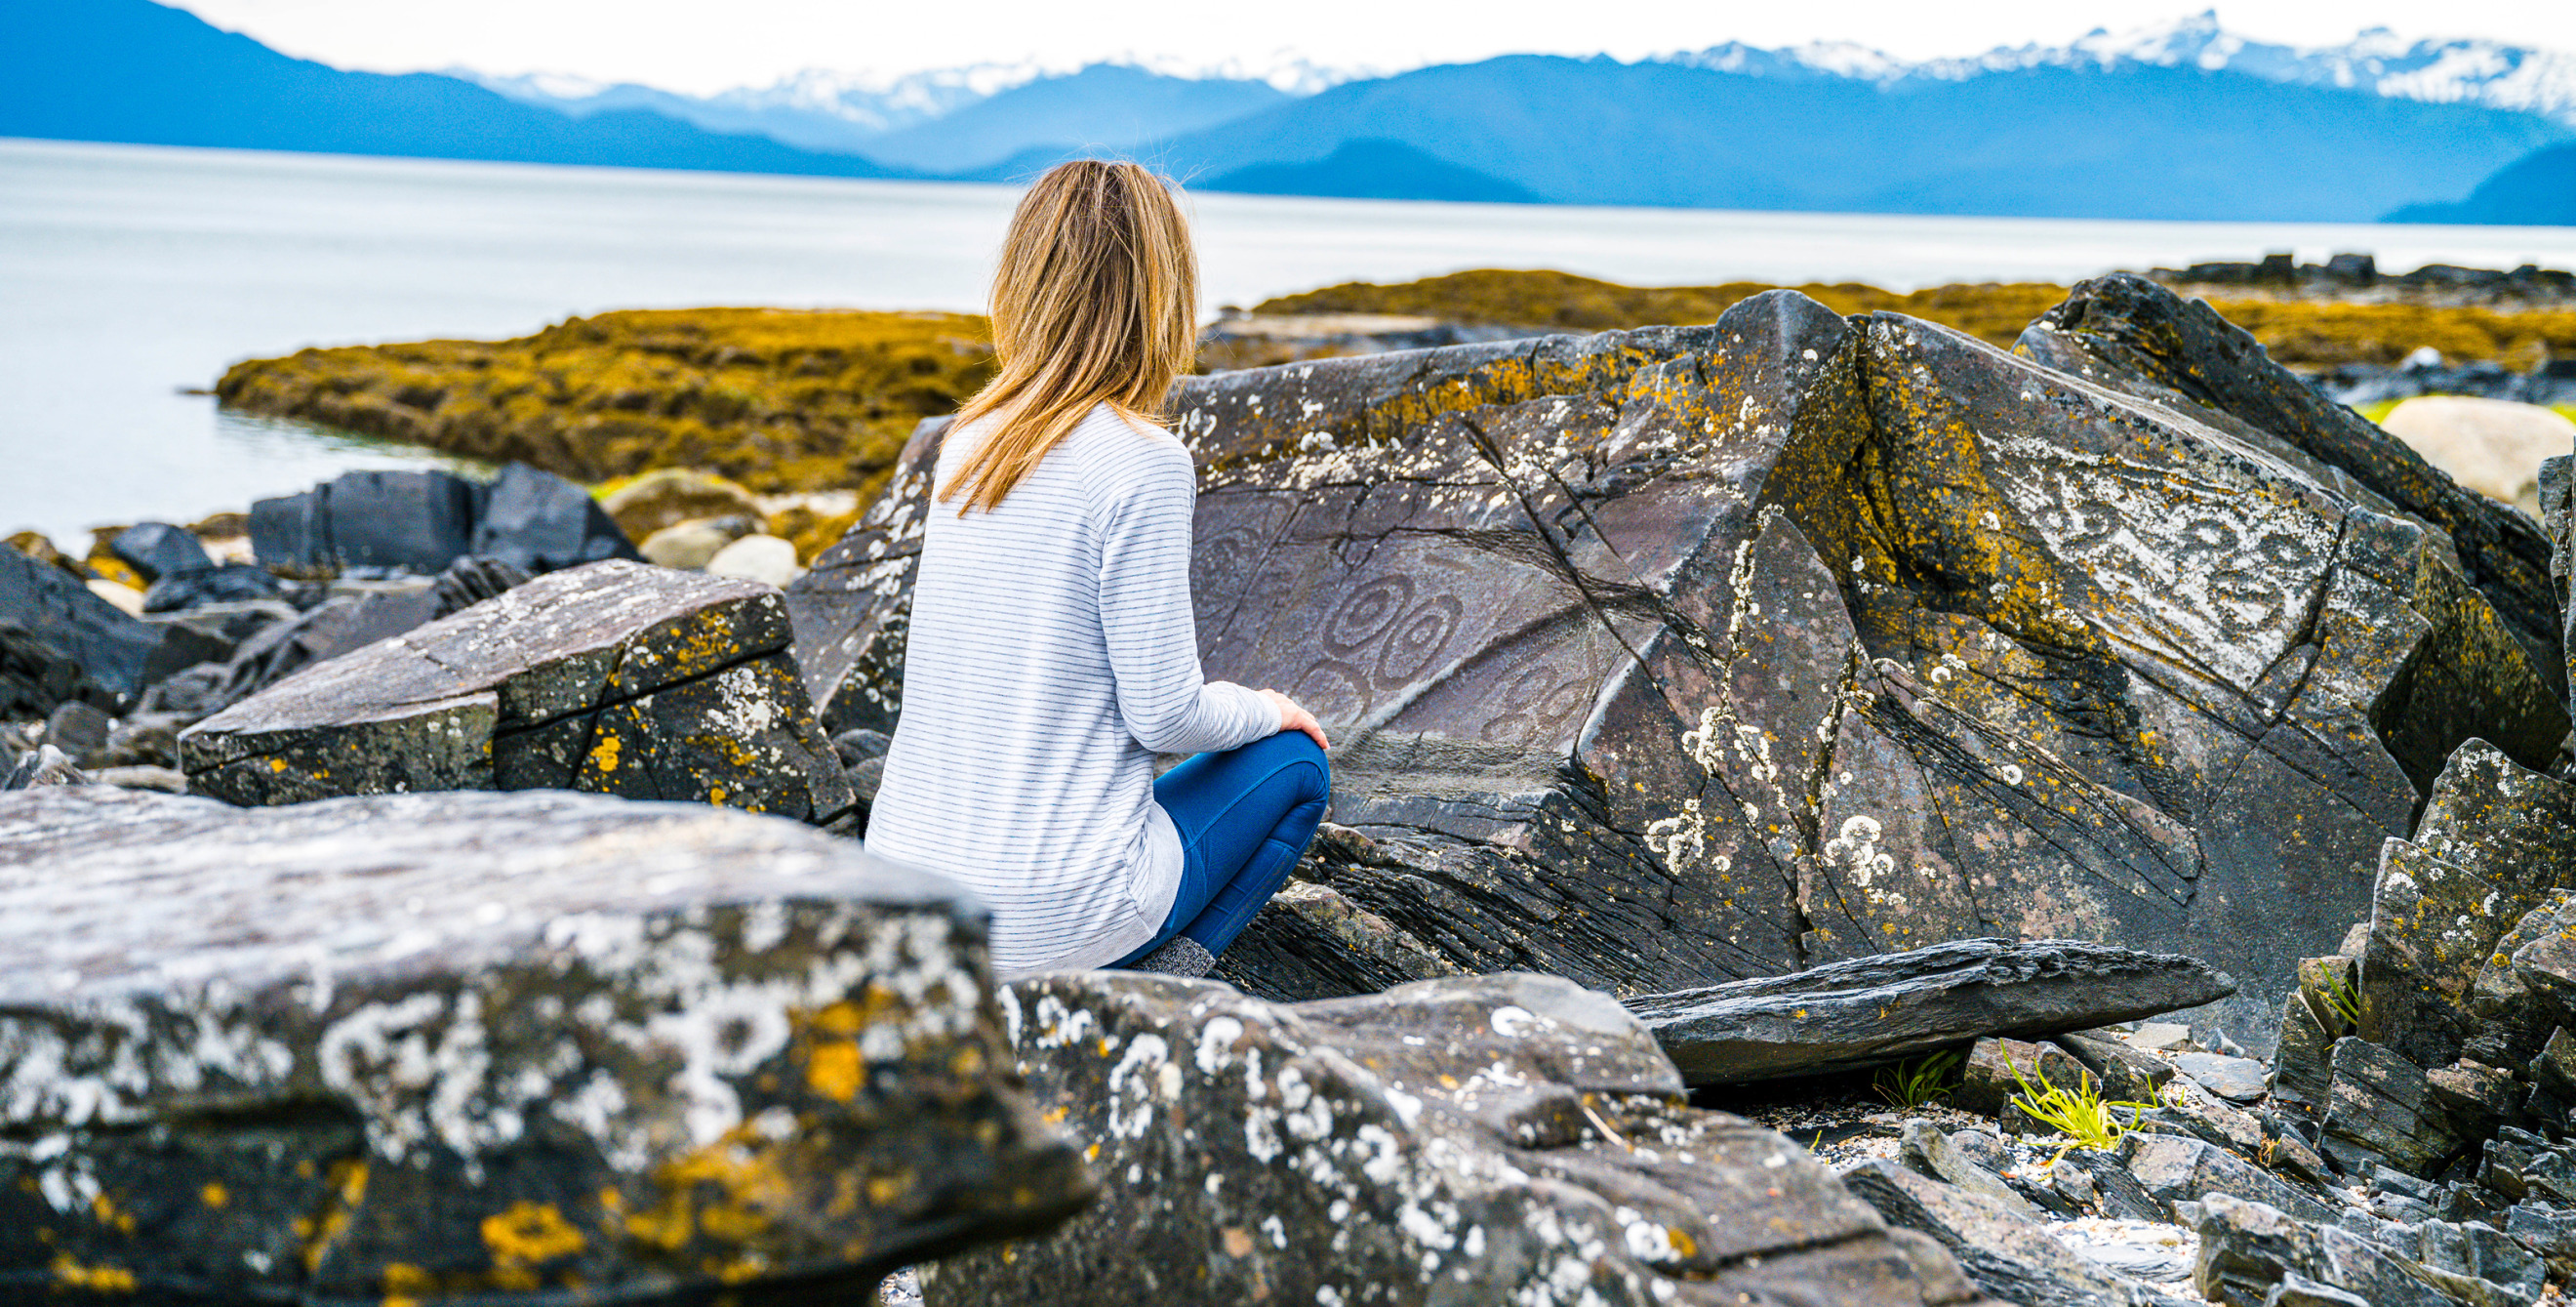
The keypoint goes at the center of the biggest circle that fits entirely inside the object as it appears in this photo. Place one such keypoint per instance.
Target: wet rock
(538, 522)
(59, 642)
(2005, 1253)
(513, 1049)
(2381, 1109)
(2494, 840)
(1878, 1009)
(470, 581)
(1719, 652)
(615, 678)
(2236, 1079)
(691, 545)
(670, 496)
(1476, 1139)
(417, 521)
(158, 549)
(2128, 333)
(2179, 1170)
(196, 587)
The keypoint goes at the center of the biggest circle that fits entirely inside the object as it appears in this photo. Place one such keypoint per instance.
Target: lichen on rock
(501, 1048)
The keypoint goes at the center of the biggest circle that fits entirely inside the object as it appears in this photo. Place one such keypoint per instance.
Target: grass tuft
(1919, 1082)
(2081, 1114)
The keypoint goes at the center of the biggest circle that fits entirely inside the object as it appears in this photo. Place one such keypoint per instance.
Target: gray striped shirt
(1052, 654)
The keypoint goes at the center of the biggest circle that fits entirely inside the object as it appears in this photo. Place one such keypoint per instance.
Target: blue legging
(1245, 816)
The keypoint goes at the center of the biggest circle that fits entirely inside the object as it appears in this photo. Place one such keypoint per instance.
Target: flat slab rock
(1692, 654)
(614, 678)
(1875, 1010)
(530, 1048)
(1489, 1139)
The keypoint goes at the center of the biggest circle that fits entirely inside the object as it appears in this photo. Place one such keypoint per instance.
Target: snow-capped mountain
(2376, 62)
(821, 109)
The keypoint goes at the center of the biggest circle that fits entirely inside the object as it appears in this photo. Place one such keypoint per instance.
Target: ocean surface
(130, 275)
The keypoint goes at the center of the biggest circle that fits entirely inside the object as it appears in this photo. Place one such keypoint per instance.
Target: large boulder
(1692, 654)
(1870, 1011)
(1489, 1139)
(501, 1049)
(2137, 337)
(60, 642)
(615, 678)
(538, 522)
(423, 521)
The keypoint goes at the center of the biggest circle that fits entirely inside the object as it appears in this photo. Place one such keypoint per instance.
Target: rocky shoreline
(1828, 811)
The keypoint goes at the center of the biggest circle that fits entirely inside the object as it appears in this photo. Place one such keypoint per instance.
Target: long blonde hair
(1095, 301)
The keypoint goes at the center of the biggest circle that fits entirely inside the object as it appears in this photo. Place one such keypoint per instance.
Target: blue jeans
(1245, 816)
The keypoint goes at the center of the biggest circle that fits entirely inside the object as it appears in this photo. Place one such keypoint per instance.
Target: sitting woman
(1052, 652)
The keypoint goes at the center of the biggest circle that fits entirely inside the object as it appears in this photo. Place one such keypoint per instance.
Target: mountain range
(2181, 121)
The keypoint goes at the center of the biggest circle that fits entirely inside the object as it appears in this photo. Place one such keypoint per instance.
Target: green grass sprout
(2081, 1114)
(1918, 1082)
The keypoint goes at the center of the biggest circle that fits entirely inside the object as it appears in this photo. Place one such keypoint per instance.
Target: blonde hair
(1095, 301)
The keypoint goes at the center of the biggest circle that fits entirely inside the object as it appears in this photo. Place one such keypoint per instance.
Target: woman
(1052, 652)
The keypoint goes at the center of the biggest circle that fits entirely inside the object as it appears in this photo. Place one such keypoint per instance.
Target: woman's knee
(1296, 753)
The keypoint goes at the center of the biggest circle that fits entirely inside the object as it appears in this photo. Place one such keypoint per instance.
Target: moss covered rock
(776, 399)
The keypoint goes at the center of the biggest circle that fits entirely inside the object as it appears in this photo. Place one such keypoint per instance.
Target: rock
(43, 766)
(196, 587)
(58, 641)
(165, 780)
(1482, 1139)
(470, 581)
(2125, 1071)
(2558, 507)
(1306, 920)
(127, 599)
(1987, 1080)
(1926, 1151)
(2161, 1037)
(158, 549)
(483, 1047)
(614, 678)
(691, 545)
(2381, 1108)
(143, 739)
(2236, 1079)
(2179, 1170)
(2491, 446)
(2132, 335)
(417, 521)
(538, 522)
(2494, 840)
(2006, 1254)
(671, 496)
(763, 558)
(1601, 623)
(37, 545)
(78, 729)
(1877, 1009)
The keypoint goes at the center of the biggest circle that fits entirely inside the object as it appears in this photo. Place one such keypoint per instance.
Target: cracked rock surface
(1484, 1139)
(613, 678)
(1674, 656)
(507, 1049)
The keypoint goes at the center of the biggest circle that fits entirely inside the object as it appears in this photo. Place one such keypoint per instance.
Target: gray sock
(1179, 956)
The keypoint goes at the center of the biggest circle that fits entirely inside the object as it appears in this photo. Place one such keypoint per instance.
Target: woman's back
(1051, 654)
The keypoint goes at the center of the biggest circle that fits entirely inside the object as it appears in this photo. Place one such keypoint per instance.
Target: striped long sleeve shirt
(1052, 654)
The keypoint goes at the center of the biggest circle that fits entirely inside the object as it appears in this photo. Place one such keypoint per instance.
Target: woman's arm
(1153, 637)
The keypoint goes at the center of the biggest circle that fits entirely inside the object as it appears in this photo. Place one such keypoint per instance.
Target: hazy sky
(707, 45)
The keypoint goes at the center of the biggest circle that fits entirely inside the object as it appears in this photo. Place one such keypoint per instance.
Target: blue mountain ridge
(2538, 190)
(135, 72)
(2105, 140)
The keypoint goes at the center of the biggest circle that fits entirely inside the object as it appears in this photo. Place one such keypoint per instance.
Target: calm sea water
(129, 274)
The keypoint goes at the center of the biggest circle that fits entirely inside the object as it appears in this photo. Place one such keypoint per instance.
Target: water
(128, 274)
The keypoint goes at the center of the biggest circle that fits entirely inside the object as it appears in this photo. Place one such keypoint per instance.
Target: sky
(703, 46)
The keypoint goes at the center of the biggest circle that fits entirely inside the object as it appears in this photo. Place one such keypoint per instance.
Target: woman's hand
(1293, 717)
